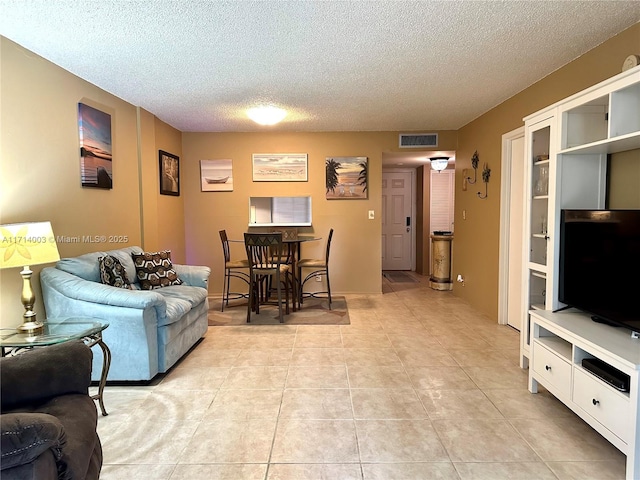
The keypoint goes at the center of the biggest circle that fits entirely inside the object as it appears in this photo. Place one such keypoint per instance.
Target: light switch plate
(371, 214)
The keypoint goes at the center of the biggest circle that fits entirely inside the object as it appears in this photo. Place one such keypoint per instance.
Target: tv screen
(600, 264)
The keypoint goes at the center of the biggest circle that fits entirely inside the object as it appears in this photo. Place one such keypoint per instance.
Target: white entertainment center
(566, 148)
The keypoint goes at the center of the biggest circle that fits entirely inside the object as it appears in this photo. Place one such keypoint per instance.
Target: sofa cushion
(41, 374)
(79, 417)
(180, 300)
(25, 436)
(87, 266)
(155, 270)
(112, 272)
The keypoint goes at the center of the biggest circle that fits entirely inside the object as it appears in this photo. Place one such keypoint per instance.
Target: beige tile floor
(418, 386)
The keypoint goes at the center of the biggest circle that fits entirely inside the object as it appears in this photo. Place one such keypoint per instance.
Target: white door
(512, 216)
(397, 228)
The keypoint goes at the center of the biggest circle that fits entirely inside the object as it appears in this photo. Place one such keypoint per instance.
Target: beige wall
(624, 175)
(40, 167)
(356, 247)
(169, 233)
(40, 176)
(476, 244)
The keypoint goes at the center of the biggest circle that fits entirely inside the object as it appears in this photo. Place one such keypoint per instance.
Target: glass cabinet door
(539, 214)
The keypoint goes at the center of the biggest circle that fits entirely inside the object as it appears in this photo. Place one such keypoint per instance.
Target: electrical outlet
(371, 214)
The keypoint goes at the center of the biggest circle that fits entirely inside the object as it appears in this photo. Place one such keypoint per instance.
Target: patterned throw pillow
(155, 270)
(112, 272)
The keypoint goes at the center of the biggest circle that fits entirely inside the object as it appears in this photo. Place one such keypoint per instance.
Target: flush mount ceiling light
(266, 115)
(439, 163)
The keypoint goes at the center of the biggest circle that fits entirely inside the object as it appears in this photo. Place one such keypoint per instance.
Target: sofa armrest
(77, 288)
(26, 436)
(43, 373)
(193, 275)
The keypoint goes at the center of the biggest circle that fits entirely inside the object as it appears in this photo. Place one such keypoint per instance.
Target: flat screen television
(600, 264)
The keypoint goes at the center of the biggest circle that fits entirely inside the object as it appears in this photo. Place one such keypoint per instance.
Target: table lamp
(23, 245)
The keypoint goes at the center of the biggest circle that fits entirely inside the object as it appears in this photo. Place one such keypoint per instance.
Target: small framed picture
(169, 174)
(346, 178)
(279, 167)
(216, 175)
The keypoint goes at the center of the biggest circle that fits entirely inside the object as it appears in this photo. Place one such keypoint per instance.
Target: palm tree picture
(346, 178)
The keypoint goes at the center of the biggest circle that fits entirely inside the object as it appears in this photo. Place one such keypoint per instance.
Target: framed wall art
(169, 173)
(346, 178)
(95, 147)
(280, 167)
(216, 175)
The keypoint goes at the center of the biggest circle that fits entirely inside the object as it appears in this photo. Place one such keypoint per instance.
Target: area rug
(314, 311)
(398, 277)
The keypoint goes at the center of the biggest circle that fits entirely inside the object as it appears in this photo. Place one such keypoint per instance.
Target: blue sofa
(149, 330)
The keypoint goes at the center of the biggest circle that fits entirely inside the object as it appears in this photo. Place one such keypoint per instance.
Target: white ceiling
(336, 66)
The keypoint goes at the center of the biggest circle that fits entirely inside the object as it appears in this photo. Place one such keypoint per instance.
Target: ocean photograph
(216, 175)
(279, 167)
(346, 178)
(95, 147)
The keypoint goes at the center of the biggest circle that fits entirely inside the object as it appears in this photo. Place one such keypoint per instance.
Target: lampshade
(23, 245)
(266, 115)
(439, 163)
(27, 244)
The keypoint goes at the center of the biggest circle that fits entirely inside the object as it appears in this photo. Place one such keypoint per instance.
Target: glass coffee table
(60, 330)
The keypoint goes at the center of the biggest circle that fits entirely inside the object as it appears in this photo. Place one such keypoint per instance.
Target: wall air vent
(418, 140)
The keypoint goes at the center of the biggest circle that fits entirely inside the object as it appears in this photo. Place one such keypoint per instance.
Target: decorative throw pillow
(112, 272)
(155, 270)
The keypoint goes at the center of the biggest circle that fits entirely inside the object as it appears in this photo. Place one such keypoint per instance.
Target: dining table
(293, 244)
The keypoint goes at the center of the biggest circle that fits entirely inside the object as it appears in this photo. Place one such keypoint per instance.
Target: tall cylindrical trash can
(441, 261)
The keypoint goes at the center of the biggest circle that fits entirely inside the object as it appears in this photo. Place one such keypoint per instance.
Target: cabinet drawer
(552, 369)
(607, 406)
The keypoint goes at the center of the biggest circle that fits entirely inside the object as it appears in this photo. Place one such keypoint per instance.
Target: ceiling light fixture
(266, 115)
(439, 163)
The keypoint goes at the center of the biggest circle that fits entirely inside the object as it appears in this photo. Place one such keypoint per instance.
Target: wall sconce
(486, 173)
(474, 163)
(439, 163)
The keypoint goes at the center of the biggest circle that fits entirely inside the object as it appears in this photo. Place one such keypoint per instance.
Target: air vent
(418, 140)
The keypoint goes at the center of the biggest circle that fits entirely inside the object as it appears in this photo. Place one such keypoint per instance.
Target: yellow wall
(40, 167)
(476, 244)
(356, 247)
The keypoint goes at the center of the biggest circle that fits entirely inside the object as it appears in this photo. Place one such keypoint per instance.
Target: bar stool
(320, 267)
(232, 269)
(265, 257)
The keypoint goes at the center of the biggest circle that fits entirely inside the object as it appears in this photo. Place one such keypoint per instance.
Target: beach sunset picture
(346, 178)
(95, 147)
(279, 167)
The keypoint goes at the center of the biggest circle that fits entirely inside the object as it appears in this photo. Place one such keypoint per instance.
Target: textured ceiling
(336, 66)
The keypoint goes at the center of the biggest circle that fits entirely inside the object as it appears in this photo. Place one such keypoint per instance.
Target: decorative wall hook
(486, 173)
(474, 163)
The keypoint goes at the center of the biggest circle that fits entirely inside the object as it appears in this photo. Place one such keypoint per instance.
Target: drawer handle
(595, 402)
(547, 368)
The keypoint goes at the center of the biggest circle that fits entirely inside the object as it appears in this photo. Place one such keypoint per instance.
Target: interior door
(397, 228)
(510, 302)
(514, 295)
